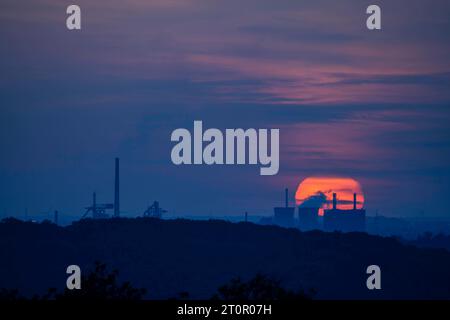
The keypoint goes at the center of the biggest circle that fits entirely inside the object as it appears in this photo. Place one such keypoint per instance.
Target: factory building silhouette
(344, 220)
(334, 219)
(308, 218)
(284, 216)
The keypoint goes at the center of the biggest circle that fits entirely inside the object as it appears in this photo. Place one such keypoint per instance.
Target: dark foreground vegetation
(181, 259)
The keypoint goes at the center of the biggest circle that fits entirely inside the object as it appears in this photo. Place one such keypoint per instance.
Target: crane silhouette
(154, 211)
(98, 210)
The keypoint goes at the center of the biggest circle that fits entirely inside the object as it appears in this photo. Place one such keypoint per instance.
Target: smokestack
(354, 201)
(116, 191)
(334, 201)
(94, 205)
(286, 203)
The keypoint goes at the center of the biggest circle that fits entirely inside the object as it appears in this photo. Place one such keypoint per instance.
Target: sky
(368, 105)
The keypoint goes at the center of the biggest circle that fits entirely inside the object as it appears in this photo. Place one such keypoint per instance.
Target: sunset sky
(349, 102)
(317, 192)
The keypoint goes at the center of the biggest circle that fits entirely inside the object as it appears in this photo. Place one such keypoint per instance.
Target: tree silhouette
(100, 285)
(10, 295)
(261, 287)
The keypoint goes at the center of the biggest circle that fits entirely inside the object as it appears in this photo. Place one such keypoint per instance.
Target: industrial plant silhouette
(334, 219)
(167, 257)
(99, 210)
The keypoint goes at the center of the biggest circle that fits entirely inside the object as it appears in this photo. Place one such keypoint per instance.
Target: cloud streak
(349, 101)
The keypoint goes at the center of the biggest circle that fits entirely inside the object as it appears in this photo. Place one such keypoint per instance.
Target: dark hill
(170, 256)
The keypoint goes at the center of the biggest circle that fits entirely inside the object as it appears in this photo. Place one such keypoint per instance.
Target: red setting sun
(317, 192)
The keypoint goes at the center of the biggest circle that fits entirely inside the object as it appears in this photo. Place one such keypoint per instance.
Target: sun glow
(317, 192)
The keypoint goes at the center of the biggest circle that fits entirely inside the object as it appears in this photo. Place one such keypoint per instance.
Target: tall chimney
(116, 191)
(286, 203)
(354, 201)
(94, 205)
(334, 201)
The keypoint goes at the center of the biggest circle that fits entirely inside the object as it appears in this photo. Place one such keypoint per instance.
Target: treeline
(169, 257)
